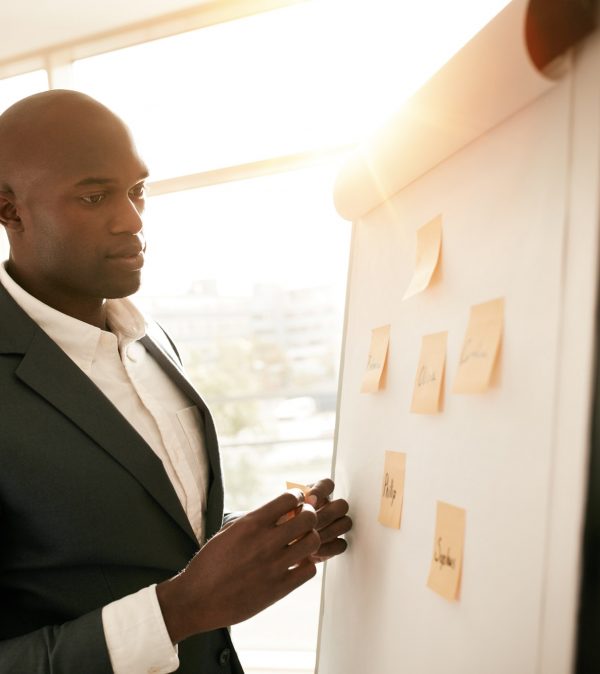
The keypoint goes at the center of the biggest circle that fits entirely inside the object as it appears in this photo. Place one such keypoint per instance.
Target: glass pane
(249, 279)
(14, 88)
(314, 74)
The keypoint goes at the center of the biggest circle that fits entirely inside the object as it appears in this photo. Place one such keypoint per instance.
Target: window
(14, 88)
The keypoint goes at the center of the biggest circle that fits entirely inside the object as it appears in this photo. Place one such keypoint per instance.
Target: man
(110, 482)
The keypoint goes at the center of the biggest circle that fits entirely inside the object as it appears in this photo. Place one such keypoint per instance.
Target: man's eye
(138, 192)
(93, 198)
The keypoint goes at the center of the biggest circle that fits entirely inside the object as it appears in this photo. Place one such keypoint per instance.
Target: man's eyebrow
(92, 180)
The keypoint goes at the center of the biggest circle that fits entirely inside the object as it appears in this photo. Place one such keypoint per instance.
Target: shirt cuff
(136, 635)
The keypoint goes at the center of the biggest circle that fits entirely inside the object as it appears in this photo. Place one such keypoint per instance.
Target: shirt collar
(79, 340)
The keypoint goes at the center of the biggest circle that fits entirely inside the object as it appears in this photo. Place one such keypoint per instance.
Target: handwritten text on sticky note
(429, 378)
(448, 544)
(429, 245)
(480, 347)
(392, 489)
(373, 379)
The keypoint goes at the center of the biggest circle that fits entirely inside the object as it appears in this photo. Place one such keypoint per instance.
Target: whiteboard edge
(337, 422)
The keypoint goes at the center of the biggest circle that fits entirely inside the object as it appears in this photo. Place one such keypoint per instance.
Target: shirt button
(224, 656)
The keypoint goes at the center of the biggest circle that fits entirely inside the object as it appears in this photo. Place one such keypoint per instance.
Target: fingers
(298, 532)
(304, 522)
(330, 512)
(272, 511)
(332, 522)
(335, 529)
(301, 573)
(301, 549)
(331, 543)
(327, 550)
(322, 490)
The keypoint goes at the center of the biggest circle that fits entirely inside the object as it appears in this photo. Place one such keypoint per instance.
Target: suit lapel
(46, 369)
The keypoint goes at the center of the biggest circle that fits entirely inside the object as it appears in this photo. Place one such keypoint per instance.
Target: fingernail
(311, 500)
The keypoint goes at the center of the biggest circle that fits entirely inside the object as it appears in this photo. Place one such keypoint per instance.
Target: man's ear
(8, 211)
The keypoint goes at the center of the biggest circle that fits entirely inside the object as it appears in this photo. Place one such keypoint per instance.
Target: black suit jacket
(87, 512)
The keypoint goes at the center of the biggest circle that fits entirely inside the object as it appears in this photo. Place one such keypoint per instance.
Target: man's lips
(130, 256)
(130, 250)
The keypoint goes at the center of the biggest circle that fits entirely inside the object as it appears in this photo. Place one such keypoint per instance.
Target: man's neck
(91, 311)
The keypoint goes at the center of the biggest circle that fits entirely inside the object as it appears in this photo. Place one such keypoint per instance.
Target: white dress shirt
(136, 635)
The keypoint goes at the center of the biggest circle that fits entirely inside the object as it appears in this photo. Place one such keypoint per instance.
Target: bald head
(71, 199)
(50, 131)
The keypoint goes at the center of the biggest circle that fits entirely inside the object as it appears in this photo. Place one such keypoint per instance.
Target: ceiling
(33, 25)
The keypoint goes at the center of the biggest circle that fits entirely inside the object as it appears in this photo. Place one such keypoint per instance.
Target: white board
(520, 218)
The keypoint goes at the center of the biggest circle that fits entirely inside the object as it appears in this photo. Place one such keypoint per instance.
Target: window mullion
(59, 66)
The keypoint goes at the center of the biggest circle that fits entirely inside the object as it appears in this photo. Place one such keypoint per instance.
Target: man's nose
(127, 218)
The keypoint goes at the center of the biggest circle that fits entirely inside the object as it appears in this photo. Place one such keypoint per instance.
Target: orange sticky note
(430, 374)
(480, 347)
(447, 559)
(429, 245)
(296, 485)
(373, 379)
(392, 490)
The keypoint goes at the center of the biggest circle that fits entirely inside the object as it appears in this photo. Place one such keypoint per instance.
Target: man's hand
(244, 568)
(332, 520)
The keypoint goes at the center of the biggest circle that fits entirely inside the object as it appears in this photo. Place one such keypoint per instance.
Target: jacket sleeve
(72, 648)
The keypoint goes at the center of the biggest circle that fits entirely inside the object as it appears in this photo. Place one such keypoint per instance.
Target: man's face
(80, 209)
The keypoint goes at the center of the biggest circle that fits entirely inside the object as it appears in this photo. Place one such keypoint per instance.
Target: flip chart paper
(480, 347)
(447, 558)
(373, 379)
(429, 244)
(392, 489)
(429, 378)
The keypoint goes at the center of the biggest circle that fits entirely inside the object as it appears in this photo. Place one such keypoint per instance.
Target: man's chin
(124, 288)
